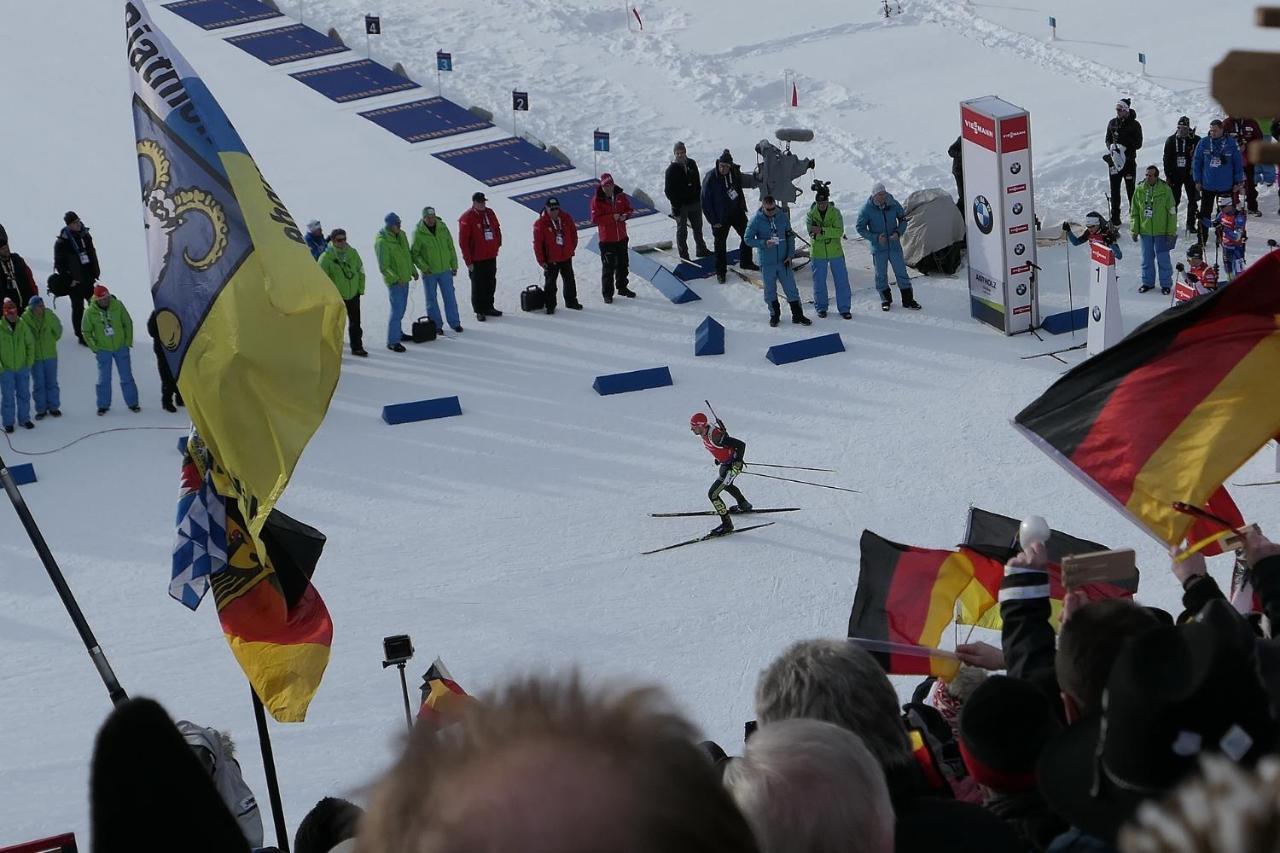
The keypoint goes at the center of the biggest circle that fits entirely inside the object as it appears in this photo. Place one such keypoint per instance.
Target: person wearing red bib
(728, 453)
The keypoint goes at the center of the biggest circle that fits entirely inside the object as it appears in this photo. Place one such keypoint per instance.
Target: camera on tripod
(821, 189)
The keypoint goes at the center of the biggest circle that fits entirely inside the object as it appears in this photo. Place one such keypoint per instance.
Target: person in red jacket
(1244, 131)
(480, 238)
(555, 239)
(610, 209)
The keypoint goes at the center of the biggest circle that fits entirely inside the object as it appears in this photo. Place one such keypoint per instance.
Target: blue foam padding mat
(1064, 321)
(655, 273)
(352, 81)
(432, 118)
(709, 338)
(697, 268)
(503, 161)
(216, 14)
(182, 445)
(23, 475)
(422, 410)
(286, 44)
(575, 200)
(807, 348)
(635, 380)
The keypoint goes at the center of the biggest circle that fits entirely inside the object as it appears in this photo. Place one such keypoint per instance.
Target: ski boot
(724, 528)
(743, 505)
(1146, 287)
(797, 314)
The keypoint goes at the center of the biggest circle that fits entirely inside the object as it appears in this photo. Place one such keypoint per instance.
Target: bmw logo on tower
(983, 215)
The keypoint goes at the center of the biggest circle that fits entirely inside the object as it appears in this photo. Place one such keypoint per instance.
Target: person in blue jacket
(1216, 168)
(316, 241)
(770, 234)
(882, 223)
(1095, 228)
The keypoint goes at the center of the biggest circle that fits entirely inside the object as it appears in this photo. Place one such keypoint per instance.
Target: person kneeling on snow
(1154, 220)
(770, 234)
(882, 223)
(1197, 278)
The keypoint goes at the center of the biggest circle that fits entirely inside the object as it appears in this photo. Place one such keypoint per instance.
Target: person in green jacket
(434, 253)
(17, 351)
(395, 262)
(341, 262)
(826, 230)
(1154, 221)
(46, 331)
(108, 331)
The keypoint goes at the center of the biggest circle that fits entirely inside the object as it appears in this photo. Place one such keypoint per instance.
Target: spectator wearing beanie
(330, 822)
(1004, 727)
(17, 352)
(46, 331)
(108, 332)
(342, 263)
(395, 262)
(610, 210)
(315, 239)
(725, 206)
(75, 259)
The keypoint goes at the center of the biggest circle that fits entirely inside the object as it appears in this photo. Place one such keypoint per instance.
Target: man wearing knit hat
(1123, 139)
(395, 262)
(46, 331)
(16, 353)
(725, 207)
(610, 210)
(75, 259)
(108, 332)
(16, 281)
(1178, 151)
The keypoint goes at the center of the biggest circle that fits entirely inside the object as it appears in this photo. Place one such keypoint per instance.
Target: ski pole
(802, 482)
(791, 467)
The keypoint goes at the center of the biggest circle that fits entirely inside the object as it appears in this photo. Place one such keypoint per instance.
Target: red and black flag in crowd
(1174, 409)
(442, 697)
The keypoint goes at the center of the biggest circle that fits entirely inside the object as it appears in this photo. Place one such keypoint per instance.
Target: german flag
(1175, 408)
(909, 595)
(442, 697)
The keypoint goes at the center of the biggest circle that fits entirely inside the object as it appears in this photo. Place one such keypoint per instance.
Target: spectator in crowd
(770, 234)
(17, 352)
(108, 332)
(1096, 229)
(882, 223)
(1245, 131)
(826, 231)
(1154, 221)
(839, 682)
(217, 754)
(436, 256)
(480, 237)
(1179, 149)
(1196, 278)
(75, 259)
(610, 210)
(1123, 139)
(139, 757)
(683, 188)
(725, 207)
(169, 392)
(16, 281)
(46, 331)
(1217, 169)
(957, 170)
(555, 239)
(1231, 226)
(316, 241)
(330, 827)
(1004, 726)
(808, 786)
(341, 262)
(395, 262)
(550, 767)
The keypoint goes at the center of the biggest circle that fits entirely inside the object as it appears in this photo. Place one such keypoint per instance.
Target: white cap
(877, 188)
(313, 225)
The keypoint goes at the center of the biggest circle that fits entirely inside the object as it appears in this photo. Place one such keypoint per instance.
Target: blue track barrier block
(216, 14)
(636, 380)
(503, 161)
(23, 474)
(709, 339)
(293, 43)
(422, 410)
(575, 200)
(432, 118)
(807, 348)
(703, 267)
(182, 445)
(352, 81)
(1066, 321)
(656, 274)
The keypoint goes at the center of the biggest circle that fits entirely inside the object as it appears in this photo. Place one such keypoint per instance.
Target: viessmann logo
(1010, 135)
(977, 128)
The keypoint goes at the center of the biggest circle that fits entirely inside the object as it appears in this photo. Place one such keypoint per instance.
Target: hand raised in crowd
(982, 655)
(1036, 556)
(1258, 547)
(1188, 568)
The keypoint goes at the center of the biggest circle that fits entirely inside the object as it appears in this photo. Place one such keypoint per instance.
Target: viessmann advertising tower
(999, 214)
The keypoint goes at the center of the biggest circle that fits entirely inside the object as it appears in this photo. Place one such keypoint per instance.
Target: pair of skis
(707, 536)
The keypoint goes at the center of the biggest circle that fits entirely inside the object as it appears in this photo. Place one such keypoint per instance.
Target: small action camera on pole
(397, 651)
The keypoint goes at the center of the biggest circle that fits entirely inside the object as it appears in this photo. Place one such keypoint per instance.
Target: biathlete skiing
(729, 453)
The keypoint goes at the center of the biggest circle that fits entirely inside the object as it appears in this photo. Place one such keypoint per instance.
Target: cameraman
(1095, 229)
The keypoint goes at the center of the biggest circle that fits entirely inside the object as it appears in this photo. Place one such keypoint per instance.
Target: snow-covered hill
(509, 538)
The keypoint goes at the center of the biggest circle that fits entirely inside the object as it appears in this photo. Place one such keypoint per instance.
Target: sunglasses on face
(339, 239)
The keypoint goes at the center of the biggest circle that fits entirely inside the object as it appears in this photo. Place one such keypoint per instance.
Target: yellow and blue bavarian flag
(250, 325)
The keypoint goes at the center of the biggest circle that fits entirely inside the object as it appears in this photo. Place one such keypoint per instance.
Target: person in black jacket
(16, 281)
(76, 258)
(725, 207)
(169, 393)
(683, 188)
(1123, 139)
(1179, 150)
(957, 172)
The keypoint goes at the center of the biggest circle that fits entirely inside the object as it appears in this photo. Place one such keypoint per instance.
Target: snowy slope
(508, 539)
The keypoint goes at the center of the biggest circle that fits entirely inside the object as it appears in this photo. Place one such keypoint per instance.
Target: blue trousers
(1155, 252)
(15, 396)
(128, 389)
(443, 281)
(399, 296)
(44, 385)
(881, 257)
(841, 275)
(773, 273)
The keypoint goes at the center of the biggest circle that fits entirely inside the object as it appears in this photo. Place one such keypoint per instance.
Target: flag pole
(99, 658)
(269, 767)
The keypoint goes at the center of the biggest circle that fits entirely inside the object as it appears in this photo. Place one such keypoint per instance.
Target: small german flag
(442, 697)
(1175, 408)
